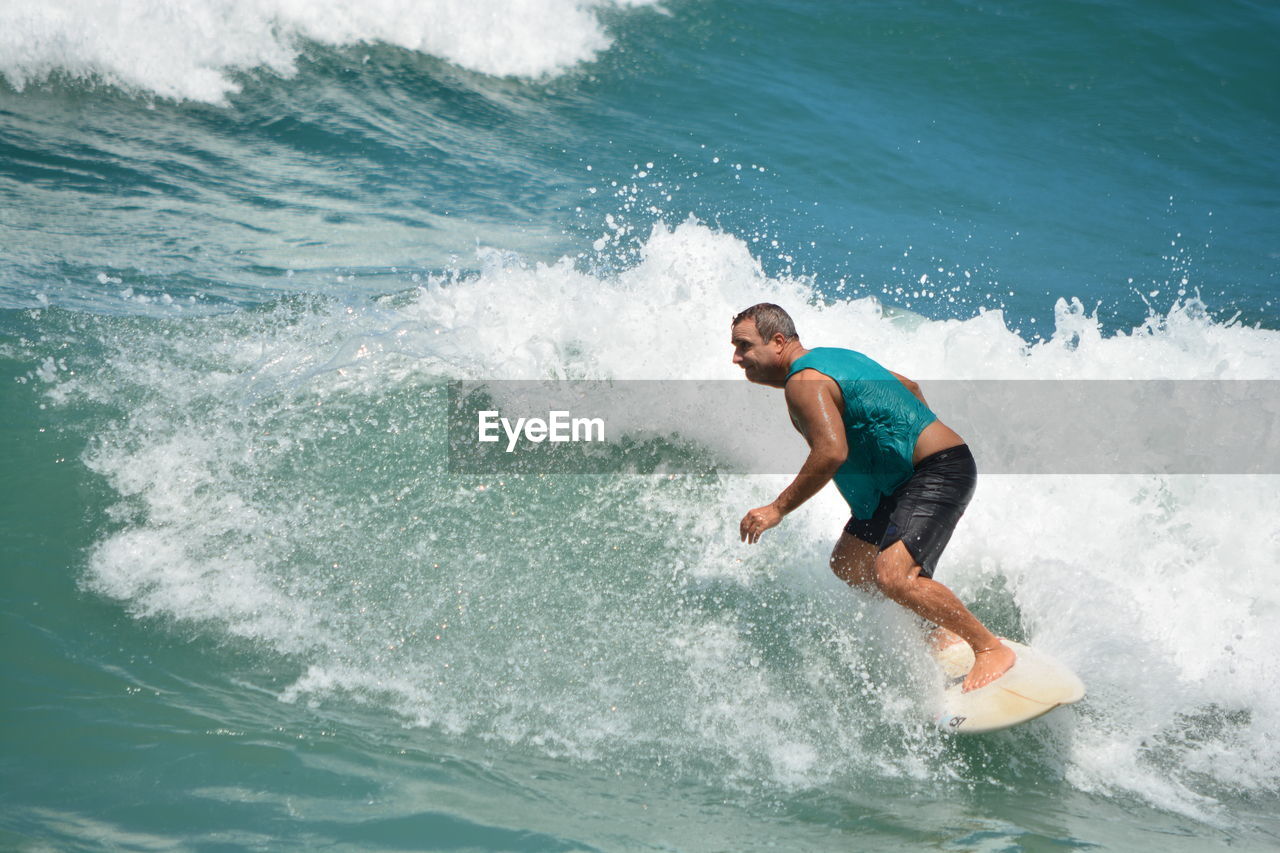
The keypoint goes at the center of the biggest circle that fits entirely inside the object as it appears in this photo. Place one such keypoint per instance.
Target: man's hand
(757, 521)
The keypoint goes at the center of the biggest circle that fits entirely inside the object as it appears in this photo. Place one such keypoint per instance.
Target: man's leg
(854, 561)
(897, 575)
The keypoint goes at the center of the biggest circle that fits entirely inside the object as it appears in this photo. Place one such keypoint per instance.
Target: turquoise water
(244, 247)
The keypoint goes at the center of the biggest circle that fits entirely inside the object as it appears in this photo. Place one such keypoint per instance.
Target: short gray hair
(770, 319)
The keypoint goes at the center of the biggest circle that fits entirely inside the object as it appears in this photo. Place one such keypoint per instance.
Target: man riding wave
(906, 476)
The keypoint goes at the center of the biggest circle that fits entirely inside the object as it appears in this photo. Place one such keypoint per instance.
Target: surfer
(906, 476)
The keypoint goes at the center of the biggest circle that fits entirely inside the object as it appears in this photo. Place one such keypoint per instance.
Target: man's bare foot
(988, 665)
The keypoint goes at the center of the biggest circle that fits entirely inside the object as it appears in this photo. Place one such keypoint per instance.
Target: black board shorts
(922, 512)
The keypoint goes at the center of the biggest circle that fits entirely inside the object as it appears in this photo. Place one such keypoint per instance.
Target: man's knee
(847, 570)
(853, 561)
(896, 572)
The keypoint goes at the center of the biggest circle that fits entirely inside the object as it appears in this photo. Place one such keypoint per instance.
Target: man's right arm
(816, 411)
(818, 415)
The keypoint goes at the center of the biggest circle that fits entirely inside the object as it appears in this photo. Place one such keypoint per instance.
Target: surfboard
(1034, 686)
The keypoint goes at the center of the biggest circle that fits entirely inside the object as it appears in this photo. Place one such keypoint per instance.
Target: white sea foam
(277, 480)
(189, 48)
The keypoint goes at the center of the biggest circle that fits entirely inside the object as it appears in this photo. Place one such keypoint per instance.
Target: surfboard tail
(1034, 686)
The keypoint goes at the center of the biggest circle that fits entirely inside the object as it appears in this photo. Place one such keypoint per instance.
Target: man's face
(761, 360)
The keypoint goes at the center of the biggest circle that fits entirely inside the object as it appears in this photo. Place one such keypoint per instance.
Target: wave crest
(190, 49)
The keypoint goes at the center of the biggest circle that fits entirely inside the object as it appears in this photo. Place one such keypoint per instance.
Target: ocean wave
(282, 475)
(192, 49)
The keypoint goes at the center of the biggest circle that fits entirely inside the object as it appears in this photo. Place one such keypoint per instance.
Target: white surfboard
(1034, 686)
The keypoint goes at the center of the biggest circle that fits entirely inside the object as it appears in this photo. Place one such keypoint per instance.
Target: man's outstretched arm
(817, 414)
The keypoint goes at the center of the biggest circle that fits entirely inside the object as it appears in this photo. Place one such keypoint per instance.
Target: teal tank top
(882, 421)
